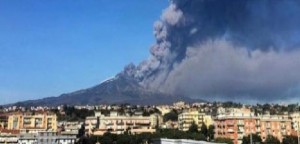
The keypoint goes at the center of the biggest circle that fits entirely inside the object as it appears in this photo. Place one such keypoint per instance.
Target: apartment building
(276, 125)
(69, 128)
(32, 122)
(164, 109)
(91, 123)
(186, 118)
(118, 123)
(295, 118)
(237, 125)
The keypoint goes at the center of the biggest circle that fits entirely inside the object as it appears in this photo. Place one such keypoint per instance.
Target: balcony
(129, 123)
(142, 123)
(120, 123)
(230, 130)
(241, 131)
(240, 124)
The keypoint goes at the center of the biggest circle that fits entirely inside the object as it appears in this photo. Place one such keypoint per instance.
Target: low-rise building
(118, 123)
(186, 118)
(45, 137)
(69, 128)
(164, 109)
(8, 139)
(32, 122)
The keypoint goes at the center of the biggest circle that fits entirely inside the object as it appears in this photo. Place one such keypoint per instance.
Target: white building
(8, 138)
(180, 141)
(38, 138)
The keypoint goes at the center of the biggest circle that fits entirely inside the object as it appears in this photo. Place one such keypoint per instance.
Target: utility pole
(298, 131)
(251, 129)
(251, 137)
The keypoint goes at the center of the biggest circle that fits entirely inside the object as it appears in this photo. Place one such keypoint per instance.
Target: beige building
(295, 117)
(186, 119)
(32, 123)
(164, 109)
(91, 123)
(118, 124)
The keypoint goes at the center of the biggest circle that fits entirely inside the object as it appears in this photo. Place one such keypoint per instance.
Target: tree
(172, 115)
(106, 140)
(109, 138)
(224, 140)
(290, 140)
(272, 140)
(193, 128)
(196, 136)
(81, 135)
(146, 113)
(210, 132)
(204, 130)
(255, 138)
(81, 131)
(84, 140)
(124, 139)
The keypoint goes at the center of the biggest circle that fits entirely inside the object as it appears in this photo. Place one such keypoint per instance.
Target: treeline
(70, 113)
(205, 134)
(128, 138)
(270, 140)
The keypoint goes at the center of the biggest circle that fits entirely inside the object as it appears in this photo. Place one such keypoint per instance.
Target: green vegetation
(193, 128)
(69, 113)
(272, 140)
(152, 111)
(204, 130)
(210, 132)
(290, 140)
(223, 140)
(230, 104)
(172, 115)
(255, 139)
(128, 138)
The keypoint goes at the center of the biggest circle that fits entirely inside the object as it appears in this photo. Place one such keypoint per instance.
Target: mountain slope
(121, 89)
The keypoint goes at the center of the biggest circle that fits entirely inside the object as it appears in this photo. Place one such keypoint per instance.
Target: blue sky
(49, 47)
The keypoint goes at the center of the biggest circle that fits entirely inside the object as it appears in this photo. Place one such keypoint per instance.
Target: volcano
(120, 89)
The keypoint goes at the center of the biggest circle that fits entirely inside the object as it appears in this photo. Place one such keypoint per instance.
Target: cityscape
(150, 72)
(217, 122)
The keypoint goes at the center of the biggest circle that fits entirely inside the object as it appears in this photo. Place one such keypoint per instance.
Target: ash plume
(225, 49)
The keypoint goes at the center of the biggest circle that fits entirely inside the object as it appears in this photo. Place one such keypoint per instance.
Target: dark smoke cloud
(243, 49)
